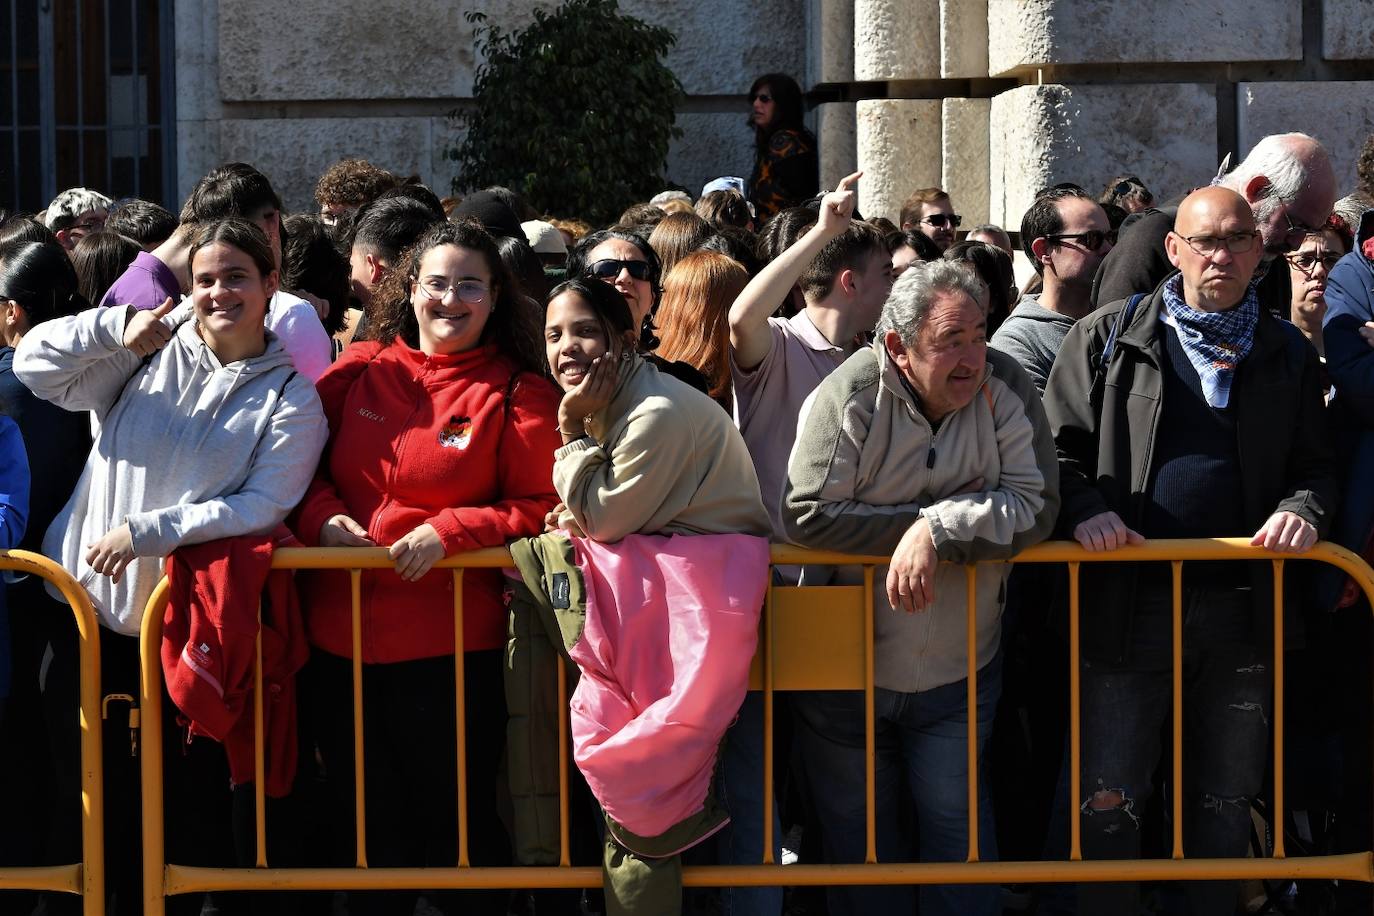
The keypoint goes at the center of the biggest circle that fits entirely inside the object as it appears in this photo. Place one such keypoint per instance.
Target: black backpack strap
(1123, 318)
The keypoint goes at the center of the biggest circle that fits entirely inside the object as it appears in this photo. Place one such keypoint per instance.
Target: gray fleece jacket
(188, 450)
(1032, 335)
(867, 466)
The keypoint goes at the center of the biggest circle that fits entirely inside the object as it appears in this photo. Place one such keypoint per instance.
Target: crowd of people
(637, 411)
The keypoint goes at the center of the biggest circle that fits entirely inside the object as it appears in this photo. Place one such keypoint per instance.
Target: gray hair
(71, 204)
(915, 290)
(1351, 207)
(1287, 161)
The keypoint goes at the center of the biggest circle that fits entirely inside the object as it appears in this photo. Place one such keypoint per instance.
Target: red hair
(694, 317)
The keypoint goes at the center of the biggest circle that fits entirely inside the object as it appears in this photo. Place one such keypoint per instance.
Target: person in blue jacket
(14, 514)
(1343, 644)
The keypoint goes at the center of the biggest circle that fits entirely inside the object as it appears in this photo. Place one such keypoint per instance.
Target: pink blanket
(672, 625)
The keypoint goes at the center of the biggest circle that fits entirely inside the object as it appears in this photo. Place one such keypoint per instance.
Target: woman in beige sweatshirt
(643, 452)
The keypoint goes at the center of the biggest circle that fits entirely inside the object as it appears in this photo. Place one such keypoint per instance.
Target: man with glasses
(930, 212)
(1289, 184)
(1065, 234)
(1195, 414)
(75, 214)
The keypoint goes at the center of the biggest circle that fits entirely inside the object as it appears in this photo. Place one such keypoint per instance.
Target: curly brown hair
(512, 325)
(1364, 167)
(352, 183)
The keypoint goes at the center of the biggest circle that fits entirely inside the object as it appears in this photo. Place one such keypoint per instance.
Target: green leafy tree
(575, 111)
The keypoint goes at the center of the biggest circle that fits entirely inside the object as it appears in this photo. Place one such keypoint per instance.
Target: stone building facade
(991, 99)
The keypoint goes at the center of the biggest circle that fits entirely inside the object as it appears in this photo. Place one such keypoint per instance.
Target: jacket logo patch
(561, 591)
(369, 415)
(456, 433)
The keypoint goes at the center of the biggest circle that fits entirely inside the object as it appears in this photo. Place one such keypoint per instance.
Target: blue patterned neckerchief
(1215, 342)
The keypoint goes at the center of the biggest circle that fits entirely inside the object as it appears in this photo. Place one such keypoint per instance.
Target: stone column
(1040, 135)
(964, 157)
(896, 39)
(835, 132)
(963, 39)
(899, 151)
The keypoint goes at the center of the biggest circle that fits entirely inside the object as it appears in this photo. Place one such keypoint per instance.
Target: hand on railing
(342, 531)
(416, 552)
(1285, 532)
(911, 577)
(1105, 531)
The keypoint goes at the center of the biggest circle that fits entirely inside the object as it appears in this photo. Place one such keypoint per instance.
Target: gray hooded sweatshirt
(188, 449)
(1032, 335)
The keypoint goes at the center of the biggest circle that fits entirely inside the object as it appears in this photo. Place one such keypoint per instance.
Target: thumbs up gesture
(144, 332)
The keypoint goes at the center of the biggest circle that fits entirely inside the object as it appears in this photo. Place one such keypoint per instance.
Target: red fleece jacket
(463, 442)
(209, 637)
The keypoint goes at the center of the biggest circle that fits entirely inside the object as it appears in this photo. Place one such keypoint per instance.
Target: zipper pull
(930, 457)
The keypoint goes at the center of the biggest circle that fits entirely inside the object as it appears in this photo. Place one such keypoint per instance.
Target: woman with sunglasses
(1127, 192)
(1308, 268)
(786, 166)
(443, 429)
(626, 261)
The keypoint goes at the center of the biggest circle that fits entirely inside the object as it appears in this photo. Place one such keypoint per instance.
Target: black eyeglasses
(940, 220)
(1208, 245)
(610, 268)
(763, 97)
(1091, 240)
(1307, 261)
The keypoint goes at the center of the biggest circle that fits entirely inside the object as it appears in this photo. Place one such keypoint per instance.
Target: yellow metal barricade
(826, 644)
(87, 877)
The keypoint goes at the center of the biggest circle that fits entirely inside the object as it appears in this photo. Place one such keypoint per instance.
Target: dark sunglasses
(940, 220)
(763, 97)
(1127, 185)
(610, 268)
(1091, 240)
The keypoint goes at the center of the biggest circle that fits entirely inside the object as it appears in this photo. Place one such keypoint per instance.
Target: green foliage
(575, 111)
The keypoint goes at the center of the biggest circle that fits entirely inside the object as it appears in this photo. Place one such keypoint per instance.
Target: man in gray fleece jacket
(928, 447)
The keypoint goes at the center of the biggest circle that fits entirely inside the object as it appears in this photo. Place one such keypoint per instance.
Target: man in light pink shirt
(845, 273)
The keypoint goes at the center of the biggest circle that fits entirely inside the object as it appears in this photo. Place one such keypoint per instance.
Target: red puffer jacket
(463, 442)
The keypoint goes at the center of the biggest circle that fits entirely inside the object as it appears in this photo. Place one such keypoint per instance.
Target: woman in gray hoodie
(206, 431)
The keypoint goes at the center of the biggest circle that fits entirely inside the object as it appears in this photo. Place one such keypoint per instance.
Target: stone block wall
(295, 87)
(1035, 92)
(991, 99)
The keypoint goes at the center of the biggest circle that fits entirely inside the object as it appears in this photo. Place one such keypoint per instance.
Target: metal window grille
(86, 99)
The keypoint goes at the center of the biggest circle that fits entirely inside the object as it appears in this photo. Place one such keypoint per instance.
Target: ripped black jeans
(1227, 682)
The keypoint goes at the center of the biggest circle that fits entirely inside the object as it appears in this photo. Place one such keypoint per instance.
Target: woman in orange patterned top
(786, 167)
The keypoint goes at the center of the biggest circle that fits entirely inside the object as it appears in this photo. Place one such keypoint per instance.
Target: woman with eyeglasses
(1308, 268)
(626, 261)
(443, 428)
(786, 165)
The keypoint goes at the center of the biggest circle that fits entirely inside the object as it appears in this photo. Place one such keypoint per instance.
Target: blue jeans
(741, 791)
(1226, 699)
(922, 740)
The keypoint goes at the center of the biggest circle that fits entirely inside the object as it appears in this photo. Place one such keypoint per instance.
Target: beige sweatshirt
(661, 458)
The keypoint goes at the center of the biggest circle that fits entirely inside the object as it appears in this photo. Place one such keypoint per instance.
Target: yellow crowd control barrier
(827, 644)
(87, 877)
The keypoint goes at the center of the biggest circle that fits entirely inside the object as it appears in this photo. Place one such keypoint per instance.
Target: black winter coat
(1104, 430)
